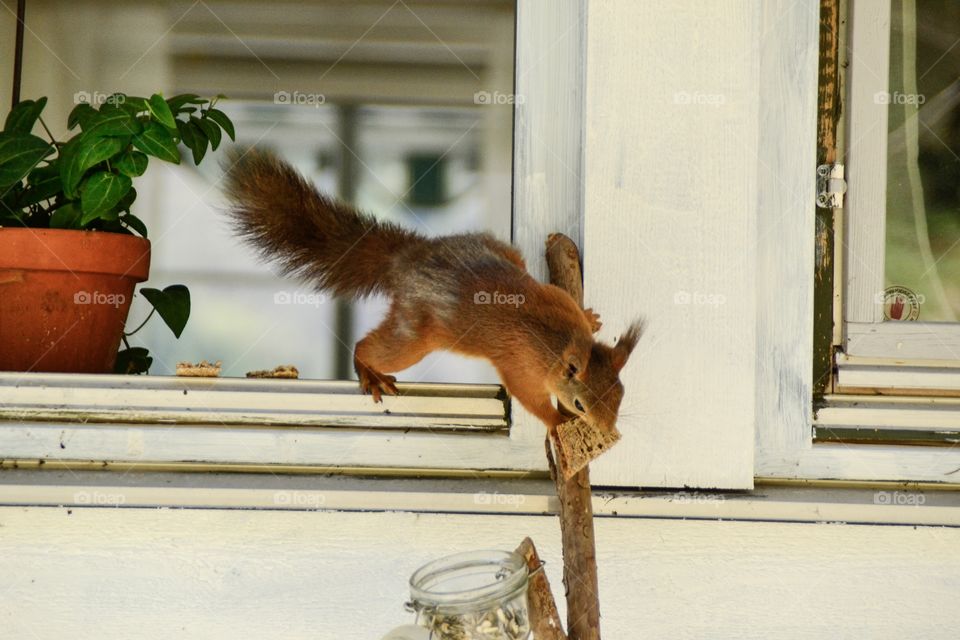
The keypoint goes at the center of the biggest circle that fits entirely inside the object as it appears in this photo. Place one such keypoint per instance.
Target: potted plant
(71, 251)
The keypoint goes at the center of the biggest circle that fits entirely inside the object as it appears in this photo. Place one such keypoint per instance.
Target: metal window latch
(830, 186)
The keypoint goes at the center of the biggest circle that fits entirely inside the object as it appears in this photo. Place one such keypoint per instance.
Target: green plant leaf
(194, 137)
(83, 152)
(126, 201)
(173, 305)
(19, 154)
(112, 225)
(115, 99)
(134, 360)
(134, 223)
(43, 183)
(23, 116)
(100, 194)
(112, 121)
(160, 111)
(45, 171)
(131, 163)
(177, 103)
(11, 212)
(135, 105)
(211, 129)
(67, 217)
(221, 119)
(80, 114)
(157, 141)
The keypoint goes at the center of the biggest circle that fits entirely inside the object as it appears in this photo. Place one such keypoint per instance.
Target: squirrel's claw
(594, 319)
(376, 384)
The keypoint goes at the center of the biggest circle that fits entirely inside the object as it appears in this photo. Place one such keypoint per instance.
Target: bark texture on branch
(544, 618)
(576, 508)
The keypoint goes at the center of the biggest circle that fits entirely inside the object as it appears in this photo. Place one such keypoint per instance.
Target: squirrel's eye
(572, 369)
(579, 406)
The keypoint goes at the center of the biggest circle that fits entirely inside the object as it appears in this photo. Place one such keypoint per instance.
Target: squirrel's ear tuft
(626, 343)
(573, 364)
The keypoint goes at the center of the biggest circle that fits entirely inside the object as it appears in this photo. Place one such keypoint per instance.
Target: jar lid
(468, 581)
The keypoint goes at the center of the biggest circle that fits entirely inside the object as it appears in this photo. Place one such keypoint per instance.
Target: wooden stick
(576, 507)
(544, 618)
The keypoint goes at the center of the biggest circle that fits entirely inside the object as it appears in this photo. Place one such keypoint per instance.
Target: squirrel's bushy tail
(307, 233)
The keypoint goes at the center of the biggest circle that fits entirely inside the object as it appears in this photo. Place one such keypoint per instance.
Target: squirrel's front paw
(594, 319)
(376, 384)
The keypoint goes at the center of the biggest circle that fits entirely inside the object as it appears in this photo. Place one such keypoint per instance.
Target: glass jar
(477, 595)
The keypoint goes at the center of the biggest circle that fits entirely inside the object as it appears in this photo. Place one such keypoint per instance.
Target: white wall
(157, 573)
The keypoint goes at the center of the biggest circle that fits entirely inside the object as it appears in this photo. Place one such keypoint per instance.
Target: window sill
(165, 400)
(891, 505)
(197, 424)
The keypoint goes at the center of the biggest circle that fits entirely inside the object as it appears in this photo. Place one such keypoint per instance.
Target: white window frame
(872, 346)
(440, 429)
(786, 418)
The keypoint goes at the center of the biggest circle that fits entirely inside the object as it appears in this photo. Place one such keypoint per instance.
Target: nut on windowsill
(578, 444)
(202, 369)
(283, 371)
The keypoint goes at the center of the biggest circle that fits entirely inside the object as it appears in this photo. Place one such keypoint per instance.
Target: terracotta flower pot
(64, 297)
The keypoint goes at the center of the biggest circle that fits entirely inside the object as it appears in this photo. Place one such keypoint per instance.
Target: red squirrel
(467, 293)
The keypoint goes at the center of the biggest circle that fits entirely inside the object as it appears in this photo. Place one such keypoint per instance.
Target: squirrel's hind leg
(387, 348)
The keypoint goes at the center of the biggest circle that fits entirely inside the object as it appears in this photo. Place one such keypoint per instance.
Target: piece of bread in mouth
(578, 443)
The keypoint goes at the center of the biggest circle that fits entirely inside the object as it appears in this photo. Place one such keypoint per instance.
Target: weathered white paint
(333, 447)
(548, 183)
(889, 373)
(149, 573)
(254, 402)
(670, 224)
(785, 263)
(905, 341)
(785, 229)
(868, 413)
(884, 504)
(866, 157)
(879, 354)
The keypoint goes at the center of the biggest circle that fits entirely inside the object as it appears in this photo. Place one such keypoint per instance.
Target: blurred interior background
(399, 106)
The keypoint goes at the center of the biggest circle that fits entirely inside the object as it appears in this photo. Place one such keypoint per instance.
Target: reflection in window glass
(376, 101)
(923, 164)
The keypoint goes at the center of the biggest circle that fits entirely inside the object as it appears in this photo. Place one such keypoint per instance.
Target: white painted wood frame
(785, 418)
(671, 231)
(891, 356)
(866, 334)
(866, 160)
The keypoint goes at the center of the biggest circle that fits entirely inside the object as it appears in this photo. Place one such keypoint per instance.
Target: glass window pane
(403, 108)
(923, 163)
